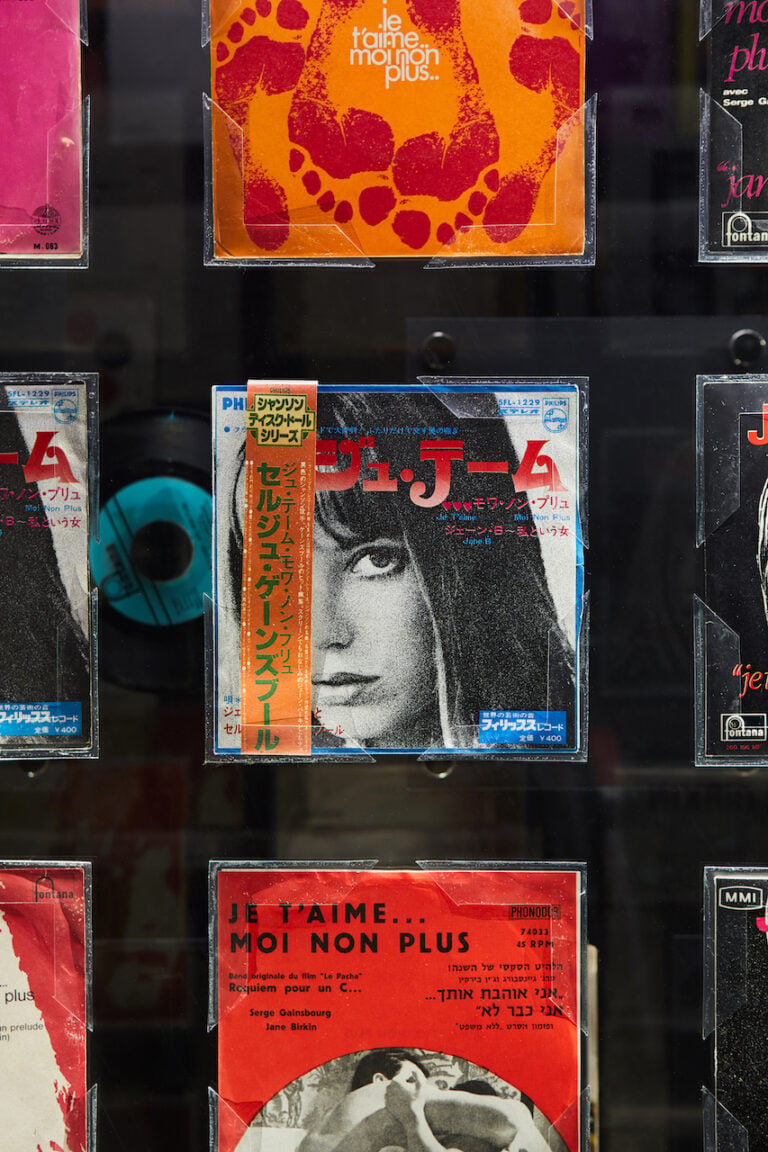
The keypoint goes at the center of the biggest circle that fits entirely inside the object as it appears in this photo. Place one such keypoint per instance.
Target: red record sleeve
(418, 1010)
(43, 1007)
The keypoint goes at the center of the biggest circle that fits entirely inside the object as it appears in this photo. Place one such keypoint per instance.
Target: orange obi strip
(276, 623)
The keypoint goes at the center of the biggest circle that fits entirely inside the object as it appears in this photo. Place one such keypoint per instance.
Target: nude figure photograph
(401, 1100)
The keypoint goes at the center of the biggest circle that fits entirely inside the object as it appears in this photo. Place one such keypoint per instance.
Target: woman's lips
(342, 687)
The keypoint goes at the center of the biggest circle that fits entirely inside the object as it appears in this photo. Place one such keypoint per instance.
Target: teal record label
(153, 561)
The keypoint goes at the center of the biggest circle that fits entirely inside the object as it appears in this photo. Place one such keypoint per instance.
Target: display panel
(44, 1005)
(47, 470)
(41, 133)
(428, 1009)
(429, 600)
(399, 128)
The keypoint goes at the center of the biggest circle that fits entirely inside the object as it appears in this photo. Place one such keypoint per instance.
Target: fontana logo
(45, 890)
(742, 229)
(741, 896)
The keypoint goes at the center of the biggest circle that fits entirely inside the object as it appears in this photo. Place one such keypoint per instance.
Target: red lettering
(36, 468)
(537, 471)
(442, 452)
(760, 437)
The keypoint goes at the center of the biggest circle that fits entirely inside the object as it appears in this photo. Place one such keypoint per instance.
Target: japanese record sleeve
(44, 1005)
(390, 128)
(731, 623)
(736, 978)
(47, 469)
(398, 569)
(419, 1010)
(41, 131)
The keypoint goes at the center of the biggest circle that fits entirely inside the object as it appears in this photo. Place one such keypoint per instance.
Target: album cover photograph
(404, 573)
(47, 458)
(420, 1010)
(392, 128)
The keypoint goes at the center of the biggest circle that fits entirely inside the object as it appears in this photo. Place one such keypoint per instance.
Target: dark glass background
(161, 329)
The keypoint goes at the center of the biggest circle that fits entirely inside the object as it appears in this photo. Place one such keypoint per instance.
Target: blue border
(526, 384)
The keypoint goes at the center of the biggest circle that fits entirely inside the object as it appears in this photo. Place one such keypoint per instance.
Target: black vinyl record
(152, 562)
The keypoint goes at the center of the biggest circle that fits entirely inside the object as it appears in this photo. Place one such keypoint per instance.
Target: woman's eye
(378, 562)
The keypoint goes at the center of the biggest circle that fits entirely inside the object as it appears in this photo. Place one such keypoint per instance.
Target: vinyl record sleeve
(731, 622)
(733, 220)
(47, 466)
(44, 1005)
(345, 131)
(445, 610)
(736, 977)
(41, 130)
(472, 974)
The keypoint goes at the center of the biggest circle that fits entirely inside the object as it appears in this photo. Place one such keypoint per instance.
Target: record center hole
(161, 551)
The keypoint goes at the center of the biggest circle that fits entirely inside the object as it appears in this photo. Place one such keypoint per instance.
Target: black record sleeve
(735, 993)
(731, 622)
(734, 140)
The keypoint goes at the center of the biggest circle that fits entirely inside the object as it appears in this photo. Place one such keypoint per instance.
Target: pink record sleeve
(41, 134)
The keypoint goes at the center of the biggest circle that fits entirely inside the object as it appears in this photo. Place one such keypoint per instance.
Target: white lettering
(402, 56)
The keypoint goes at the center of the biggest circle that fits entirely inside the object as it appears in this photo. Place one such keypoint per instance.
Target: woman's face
(373, 648)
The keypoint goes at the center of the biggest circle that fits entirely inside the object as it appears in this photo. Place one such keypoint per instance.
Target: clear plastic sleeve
(312, 158)
(46, 973)
(44, 139)
(468, 978)
(731, 710)
(48, 517)
(733, 205)
(735, 945)
(442, 555)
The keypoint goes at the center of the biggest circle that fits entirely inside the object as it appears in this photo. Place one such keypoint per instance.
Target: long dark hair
(386, 1061)
(498, 642)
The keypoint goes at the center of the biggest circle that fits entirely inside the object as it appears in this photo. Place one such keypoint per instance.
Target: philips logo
(741, 896)
(237, 403)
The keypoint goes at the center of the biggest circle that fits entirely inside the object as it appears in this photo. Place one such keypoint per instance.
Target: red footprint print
(342, 142)
(254, 61)
(451, 148)
(430, 165)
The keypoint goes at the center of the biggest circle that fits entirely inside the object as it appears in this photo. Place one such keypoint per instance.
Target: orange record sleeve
(358, 1009)
(348, 129)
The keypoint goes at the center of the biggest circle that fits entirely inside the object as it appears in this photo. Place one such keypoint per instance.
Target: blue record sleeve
(447, 571)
